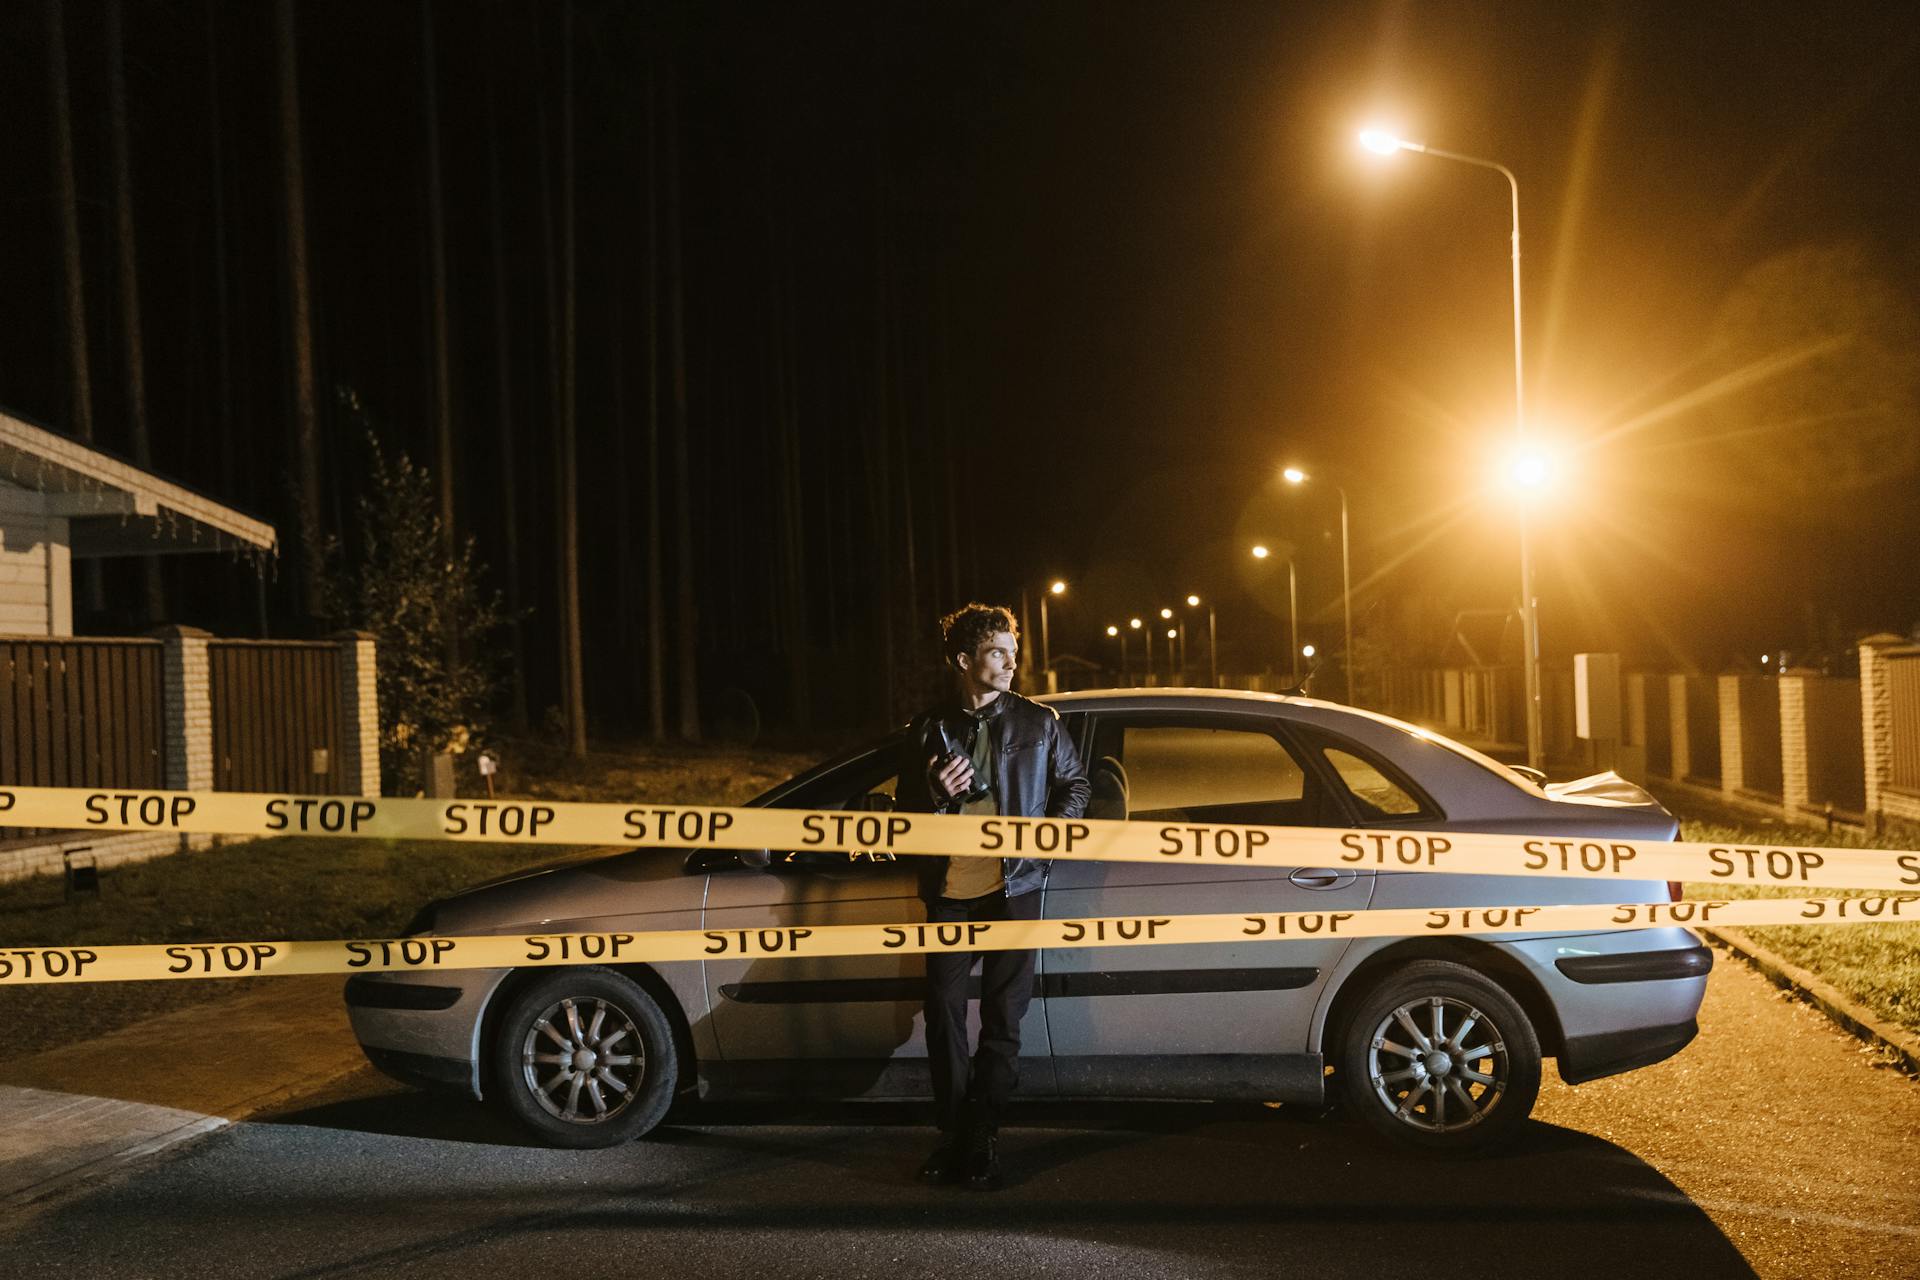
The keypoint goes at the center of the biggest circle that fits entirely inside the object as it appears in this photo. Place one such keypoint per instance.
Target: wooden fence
(277, 722)
(82, 713)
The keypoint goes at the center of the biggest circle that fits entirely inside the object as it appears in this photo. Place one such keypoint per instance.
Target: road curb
(1902, 1044)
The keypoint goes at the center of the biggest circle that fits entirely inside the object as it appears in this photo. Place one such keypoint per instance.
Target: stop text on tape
(903, 834)
(40, 965)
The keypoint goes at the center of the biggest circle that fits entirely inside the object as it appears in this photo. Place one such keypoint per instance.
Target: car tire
(1439, 1092)
(584, 1058)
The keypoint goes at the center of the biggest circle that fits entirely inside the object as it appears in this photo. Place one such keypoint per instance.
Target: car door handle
(1322, 878)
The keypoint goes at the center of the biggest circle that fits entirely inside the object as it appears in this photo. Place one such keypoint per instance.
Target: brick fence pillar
(1681, 754)
(359, 714)
(1796, 789)
(1876, 723)
(1733, 775)
(187, 715)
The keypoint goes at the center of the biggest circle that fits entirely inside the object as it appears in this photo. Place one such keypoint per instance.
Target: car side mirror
(874, 802)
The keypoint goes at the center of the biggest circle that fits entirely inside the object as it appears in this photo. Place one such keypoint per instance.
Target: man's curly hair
(963, 630)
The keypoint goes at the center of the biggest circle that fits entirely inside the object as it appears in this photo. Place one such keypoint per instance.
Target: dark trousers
(971, 1091)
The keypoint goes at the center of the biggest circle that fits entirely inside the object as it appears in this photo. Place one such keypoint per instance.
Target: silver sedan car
(1433, 1042)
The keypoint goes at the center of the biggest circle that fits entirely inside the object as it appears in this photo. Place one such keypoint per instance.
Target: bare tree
(79, 378)
(569, 475)
(306, 416)
(685, 617)
(133, 342)
(503, 395)
(437, 265)
(656, 590)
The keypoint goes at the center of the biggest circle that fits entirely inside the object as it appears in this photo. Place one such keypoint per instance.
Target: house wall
(36, 594)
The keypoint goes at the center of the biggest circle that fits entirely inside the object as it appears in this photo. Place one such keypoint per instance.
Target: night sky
(1068, 282)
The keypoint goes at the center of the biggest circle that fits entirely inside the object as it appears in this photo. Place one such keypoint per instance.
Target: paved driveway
(1772, 1146)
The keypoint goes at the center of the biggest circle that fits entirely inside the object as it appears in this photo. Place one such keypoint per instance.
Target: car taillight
(1673, 891)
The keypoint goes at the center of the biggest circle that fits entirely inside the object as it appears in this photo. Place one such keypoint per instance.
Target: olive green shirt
(973, 877)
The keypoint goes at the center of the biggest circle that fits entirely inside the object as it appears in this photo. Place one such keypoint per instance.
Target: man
(986, 750)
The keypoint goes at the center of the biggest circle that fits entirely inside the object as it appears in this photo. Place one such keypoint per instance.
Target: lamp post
(1293, 612)
(1176, 649)
(1147, 632)
(1058, 587)
(1386, 144)
(1114, 632)
(1295, 476)
(1213, 643)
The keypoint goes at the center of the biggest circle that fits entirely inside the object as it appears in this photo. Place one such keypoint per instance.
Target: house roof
(113, 507)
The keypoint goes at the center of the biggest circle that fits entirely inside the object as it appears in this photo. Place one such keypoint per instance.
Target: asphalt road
(1773, 1146)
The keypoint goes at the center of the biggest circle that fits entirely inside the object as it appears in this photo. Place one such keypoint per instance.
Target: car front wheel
(584, 1058)
(1437, 1056)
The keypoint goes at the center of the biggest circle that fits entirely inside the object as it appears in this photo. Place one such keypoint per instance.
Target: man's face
(989, 668)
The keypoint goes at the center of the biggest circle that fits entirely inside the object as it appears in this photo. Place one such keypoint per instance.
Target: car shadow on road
(1222, 1183)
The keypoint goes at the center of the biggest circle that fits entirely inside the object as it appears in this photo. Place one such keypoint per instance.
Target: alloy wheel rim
(583, 1060)
(1437, 1064)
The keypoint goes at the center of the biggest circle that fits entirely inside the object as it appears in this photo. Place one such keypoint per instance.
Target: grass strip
(1875, 965)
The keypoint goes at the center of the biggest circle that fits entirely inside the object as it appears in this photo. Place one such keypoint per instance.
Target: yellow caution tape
(33, 965)
(885, 834)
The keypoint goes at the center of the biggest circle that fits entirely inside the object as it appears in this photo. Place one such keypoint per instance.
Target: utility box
(1596, 696)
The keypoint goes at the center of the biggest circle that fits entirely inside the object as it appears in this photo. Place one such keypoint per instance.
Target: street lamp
(1383, 143)
(1146, 632)
(1293, 611)
(1295, 476)
(1213, 642)
(1113, 632)
(1176, 653)
(1046, 653)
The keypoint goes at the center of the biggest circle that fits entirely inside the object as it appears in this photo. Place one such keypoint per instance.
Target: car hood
(622, 883)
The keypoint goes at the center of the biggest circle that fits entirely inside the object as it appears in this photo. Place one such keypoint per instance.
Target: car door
(1210, 1020)
(838, 1026)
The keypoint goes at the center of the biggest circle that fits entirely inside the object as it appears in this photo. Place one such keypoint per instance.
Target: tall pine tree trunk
(306, 416)
(503, 393)
(79, 358)
(656, 588)
(569, 491)
(437, 266)
(686, 621)
(79, 375)
(133, 341)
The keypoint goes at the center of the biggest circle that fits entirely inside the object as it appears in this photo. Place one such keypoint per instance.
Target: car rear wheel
(1438, 1056)
(584, 1058)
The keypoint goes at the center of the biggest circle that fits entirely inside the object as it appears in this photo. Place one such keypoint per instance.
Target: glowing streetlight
(1381, 142)
(1114, 632)
(1058, 587)
(1307, 651)
(1146, 633)
(1213, 642)
(1260, 552)
(1295, 476)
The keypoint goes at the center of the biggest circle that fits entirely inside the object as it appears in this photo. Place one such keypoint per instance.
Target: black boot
(983, 1160)
(947, 1163)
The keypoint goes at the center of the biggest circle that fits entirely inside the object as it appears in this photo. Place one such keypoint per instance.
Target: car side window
(1376, 791)
(1197, 771)
(864, 785)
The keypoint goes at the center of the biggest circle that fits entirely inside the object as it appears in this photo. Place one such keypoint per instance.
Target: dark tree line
(662, 296)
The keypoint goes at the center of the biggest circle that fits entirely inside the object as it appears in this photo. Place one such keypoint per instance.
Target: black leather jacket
(1037, 774)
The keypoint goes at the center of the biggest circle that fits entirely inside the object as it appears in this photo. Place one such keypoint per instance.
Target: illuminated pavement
(1772, 1145)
